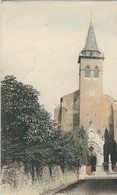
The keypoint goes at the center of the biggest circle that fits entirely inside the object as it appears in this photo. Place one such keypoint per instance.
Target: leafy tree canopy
(72, 148)
(29, 134)
(25, 123)
(110, 148)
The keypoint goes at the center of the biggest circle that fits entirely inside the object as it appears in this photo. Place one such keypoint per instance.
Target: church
(89, 107)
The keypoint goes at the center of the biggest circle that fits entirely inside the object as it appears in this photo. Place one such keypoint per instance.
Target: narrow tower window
(87, 71)
(96, 72)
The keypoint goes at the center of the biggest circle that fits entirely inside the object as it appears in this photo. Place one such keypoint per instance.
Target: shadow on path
(92, 187)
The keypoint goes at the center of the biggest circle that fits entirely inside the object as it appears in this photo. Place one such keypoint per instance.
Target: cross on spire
(91, 17)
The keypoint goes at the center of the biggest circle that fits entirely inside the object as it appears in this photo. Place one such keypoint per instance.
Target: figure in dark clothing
(93, 163)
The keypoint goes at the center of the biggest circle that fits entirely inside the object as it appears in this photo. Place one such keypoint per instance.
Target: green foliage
(110, 147)
(72, 148)
(29, 134)
(105, 165)
(26, 125)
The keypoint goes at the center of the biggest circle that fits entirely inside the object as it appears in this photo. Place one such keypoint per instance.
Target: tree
(26, 125)
(106, 146)
(76, 147)
(110, 147)
(71, 149)
(29, 134)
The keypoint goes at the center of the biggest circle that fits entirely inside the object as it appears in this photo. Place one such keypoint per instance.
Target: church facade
(89, 106)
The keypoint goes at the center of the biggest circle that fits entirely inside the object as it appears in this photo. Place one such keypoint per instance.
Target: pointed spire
(91, 43)
(90, 49)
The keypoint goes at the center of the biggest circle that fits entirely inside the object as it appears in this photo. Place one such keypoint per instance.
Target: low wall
(16, 182)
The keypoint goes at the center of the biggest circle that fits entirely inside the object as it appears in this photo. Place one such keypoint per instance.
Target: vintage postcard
(59, 97)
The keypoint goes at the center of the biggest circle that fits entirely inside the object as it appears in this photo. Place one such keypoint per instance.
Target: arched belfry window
(96, 72)
(87, 71)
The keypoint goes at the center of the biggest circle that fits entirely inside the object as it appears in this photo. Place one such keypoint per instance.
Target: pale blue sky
(41, 42)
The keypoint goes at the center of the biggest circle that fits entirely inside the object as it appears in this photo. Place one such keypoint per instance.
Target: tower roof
(90, 49)
(91, 44)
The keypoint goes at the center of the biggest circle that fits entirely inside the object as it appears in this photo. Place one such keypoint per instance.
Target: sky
(41, 42)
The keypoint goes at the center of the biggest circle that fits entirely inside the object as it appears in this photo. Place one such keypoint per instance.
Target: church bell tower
(91, 82)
